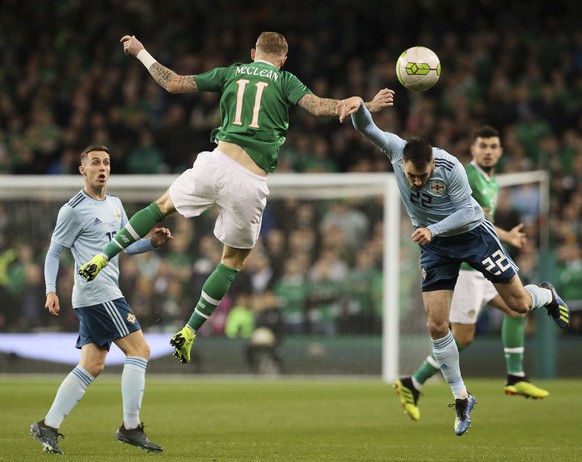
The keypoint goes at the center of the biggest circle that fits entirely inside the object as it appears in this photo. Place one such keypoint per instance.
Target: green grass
(296, 420)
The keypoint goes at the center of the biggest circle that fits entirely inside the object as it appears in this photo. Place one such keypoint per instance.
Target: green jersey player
(473, 290)
(254, 104)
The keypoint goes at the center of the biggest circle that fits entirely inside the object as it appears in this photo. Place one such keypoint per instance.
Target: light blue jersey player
(450, 227)
(85, 224)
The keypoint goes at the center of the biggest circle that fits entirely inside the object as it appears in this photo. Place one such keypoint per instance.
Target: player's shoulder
(76, 201)
(444, 160)
(470, 167)
(233, 66)
(73, 208)
(287, 76)
(221, 73)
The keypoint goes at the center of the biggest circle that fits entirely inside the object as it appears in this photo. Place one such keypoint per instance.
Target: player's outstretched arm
(348, 106)
(325, 107)
(166, 78)
(320, 107)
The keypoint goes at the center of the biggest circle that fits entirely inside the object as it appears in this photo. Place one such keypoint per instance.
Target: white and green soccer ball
(418, 68)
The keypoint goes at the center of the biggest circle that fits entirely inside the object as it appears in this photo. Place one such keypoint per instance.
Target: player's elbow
(172, 88)
(471, 212)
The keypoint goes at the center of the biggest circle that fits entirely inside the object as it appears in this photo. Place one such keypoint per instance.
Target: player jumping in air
(254, 104)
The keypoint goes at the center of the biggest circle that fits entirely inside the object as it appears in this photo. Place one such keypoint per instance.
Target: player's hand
(52, 304)
(160, 236)
(348, 106)
(131, 45)
(517, 237)
(383, 98)
(422, 236)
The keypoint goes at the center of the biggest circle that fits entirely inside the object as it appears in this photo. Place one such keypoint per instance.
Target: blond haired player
(254, 104)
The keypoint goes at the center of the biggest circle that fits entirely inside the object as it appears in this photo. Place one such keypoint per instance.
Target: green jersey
(485, 191)
(485, 188)
(254, 107)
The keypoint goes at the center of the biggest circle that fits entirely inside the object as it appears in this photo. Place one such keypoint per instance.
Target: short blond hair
(272, 43)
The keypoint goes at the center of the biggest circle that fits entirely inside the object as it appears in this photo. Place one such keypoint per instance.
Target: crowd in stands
(65, 83)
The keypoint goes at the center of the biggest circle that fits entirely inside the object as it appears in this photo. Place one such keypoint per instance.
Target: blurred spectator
(364, 289)
(263, 350)
(260, 271)
(240, 321)
(569, 271)
(292, 290)
(146, 158)
(353, 223)
(326, 278)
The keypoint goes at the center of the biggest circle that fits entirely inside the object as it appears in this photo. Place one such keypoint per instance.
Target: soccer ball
(418, 68)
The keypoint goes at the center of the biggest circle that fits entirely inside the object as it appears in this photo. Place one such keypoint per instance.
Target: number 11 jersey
(254, 107)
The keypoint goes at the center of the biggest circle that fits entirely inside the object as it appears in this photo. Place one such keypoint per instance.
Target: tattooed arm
(166, 78)
(172, 82)
(322, 107)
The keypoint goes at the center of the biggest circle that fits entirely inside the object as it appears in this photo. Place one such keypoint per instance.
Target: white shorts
(239, 195)
(471, 293)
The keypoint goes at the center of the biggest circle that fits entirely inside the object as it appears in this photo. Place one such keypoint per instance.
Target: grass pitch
(296, 420)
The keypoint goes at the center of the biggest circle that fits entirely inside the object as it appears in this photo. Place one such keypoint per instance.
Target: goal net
(334, 277)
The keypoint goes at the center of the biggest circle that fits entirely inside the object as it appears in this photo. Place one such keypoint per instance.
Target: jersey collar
(480, 170)
(263, 61)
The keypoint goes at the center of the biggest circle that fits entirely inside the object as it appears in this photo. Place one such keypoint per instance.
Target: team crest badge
(131, 318)
(118, 215)
(437, 187)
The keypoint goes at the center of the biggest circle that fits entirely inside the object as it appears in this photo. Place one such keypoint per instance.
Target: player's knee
(95, 369)
(165, 204)
(146, 352)
(520, 306)
(437, 328)
(142, 351)
(236, 263)
(464, 334)
(515, 314)
(464, 341)
(234, 258)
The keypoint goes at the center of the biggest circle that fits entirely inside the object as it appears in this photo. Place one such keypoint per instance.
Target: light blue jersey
(444, 205)
(85, 225)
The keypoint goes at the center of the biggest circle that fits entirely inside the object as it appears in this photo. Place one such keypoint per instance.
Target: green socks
(213, 291)
(513, 337)
(429, 368)
(139, 225)
(426, 370)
